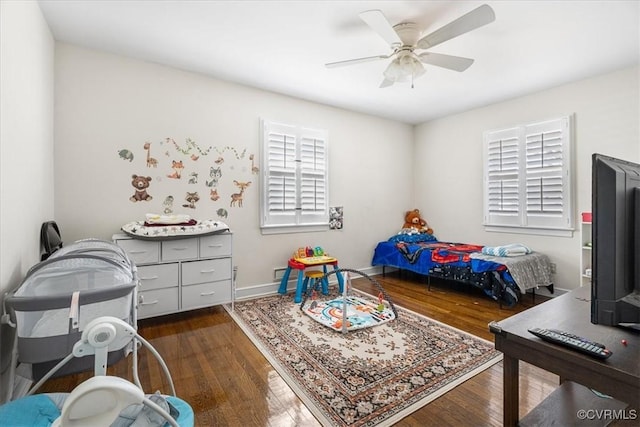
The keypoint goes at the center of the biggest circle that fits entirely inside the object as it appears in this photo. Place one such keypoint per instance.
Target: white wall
(105, 103)
(26, 145)
(448, 159)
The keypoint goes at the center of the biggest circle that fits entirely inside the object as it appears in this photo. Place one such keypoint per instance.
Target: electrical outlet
(553, 268)
(278, 272)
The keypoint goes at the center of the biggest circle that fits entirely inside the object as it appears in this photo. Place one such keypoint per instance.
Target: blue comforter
(408, 252)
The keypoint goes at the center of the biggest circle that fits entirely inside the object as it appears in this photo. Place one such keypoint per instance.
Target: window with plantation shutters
(503, 175)
(294, 178)
(528, 178)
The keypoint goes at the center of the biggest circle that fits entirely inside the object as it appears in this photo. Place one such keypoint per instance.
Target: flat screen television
(615, 281)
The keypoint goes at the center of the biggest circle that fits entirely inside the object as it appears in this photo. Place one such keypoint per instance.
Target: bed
(503, 273)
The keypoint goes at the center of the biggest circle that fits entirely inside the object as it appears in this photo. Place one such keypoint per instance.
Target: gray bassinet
(61, 295)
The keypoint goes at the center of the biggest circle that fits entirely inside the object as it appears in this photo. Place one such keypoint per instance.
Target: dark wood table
(618, 376)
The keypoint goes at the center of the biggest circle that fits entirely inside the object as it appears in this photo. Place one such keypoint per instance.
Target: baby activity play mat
(348, 311)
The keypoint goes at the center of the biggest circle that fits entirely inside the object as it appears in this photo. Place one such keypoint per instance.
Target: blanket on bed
(441, 252)
(529, 272)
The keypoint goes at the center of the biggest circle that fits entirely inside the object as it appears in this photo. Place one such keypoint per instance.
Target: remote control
(573, 342)
(568, 335)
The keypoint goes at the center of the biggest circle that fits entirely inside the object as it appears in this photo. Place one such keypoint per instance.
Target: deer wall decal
(237, 197)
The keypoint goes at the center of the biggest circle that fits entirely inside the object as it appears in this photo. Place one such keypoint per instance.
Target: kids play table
(301, 264)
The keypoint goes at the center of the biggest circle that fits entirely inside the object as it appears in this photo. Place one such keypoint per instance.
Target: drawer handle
(150, 302)
(180, 249)
(215, 246)
(141, 301)
(207, 271)
(137, 252)
(149, 278)
(206, 294)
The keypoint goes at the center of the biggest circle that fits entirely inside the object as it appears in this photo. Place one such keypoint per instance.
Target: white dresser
(181, 274)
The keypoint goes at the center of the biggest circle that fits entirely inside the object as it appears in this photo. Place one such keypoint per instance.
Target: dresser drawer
(159, 301)
(209, 270)
(177, 250)
(141, 251)
(206, 294)
(158, 276)
(216, 245)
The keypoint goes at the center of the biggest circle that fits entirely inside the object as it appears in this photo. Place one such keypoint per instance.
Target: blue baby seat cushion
(41, 410)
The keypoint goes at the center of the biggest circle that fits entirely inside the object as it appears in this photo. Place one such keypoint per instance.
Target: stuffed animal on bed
(413, 220)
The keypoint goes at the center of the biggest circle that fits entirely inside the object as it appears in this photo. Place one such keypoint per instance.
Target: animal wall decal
(192, 198)
(168, 205)
(215, 174)
(140, 183)
(222, 213)
(189, 159)
(126, 155)
(151, 162)
(237, 197)
(254, 168)
(177, 169)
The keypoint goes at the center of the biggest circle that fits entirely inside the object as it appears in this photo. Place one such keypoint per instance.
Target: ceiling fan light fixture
(404, 68)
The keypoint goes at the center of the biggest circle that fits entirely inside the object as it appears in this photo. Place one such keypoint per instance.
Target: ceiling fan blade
(478, 17)
(356, 61)
(456, 63)
(379, 23)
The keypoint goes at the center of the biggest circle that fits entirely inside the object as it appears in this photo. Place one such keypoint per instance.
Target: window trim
(301, 220)
(522, 221)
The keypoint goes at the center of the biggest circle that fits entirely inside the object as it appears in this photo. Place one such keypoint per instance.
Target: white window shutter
(502, 175)
(313, 176)
(295, 179)
(548, 184)
(280, 173)
(528, 176)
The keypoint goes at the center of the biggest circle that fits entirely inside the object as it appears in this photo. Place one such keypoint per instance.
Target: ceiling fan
(404, 40)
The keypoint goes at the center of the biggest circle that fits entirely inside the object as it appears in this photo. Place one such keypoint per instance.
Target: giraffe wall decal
(254, 168)
(151, 162)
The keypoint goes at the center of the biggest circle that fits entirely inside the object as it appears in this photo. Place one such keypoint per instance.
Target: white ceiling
(282, 46)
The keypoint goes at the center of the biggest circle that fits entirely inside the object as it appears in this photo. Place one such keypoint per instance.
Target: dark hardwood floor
(228, 382)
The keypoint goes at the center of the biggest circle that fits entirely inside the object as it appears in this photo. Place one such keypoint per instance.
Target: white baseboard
(261, 290)
(265, 289)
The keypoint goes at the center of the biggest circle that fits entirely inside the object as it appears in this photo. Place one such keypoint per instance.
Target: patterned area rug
(368, 377)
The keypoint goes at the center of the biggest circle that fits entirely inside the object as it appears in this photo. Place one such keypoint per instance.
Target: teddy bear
(413, 220)
(140, 183)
